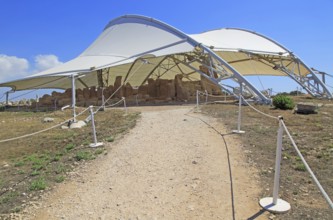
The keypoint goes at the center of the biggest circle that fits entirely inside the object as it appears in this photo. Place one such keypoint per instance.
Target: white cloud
(12, 67)
(44, 62)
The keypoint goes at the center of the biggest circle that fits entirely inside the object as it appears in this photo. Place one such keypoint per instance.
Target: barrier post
(55, 105)
(125, 106)
(103, 100)
(197, 100)
(37, 101)
(136, 100)
(274, 204)
(206, 95)
(73, 97)
(7, 98)
(95, 144)
(239, 131)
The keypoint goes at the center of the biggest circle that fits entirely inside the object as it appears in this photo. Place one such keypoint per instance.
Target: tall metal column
(73, 97)
(7, 98)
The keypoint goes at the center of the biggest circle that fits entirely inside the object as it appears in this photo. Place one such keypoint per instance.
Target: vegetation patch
(38, 162)
(110, 139)
(300, 167)
(38, 184)
(283, 102)
(84, 155)
(313, 136)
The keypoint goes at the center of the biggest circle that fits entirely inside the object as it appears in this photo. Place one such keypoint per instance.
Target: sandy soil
(170, 166)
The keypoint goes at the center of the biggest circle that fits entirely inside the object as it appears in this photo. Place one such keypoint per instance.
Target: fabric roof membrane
(150, 48)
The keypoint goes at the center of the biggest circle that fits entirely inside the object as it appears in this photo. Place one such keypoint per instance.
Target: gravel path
(170, 166)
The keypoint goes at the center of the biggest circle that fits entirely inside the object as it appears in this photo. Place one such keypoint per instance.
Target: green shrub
(283, 102)
(110, 139)
(59, 179)
(83, 155)
(69, 147)
(38, 184)
(300, 167)
(19, 164)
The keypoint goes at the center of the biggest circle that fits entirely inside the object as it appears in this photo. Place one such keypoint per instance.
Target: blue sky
(39, 34)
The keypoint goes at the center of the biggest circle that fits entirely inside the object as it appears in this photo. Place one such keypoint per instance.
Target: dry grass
(313, 135)
(30, 165)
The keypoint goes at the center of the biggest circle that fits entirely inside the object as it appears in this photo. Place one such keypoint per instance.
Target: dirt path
(170, 166)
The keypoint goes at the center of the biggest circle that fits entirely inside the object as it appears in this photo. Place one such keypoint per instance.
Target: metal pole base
(98, 144)
(280, 207)
(238, 131)
(197, 111)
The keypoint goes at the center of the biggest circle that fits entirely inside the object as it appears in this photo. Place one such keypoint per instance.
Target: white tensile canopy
(243, 49)
(138, 48)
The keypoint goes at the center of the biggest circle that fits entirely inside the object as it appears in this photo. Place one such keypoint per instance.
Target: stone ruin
(155, 91)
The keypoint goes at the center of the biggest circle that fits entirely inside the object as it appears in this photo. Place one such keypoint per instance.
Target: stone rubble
(155, 91)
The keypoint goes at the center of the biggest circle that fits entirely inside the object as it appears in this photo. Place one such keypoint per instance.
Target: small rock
(47, 119)
(78, 124)
(194, 162)
(191, 208)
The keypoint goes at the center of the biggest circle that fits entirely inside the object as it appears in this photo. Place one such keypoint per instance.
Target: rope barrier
(207, 94)
(327, 198)
(120, 101)
(47, 129)
(28, 135)
(299, 154)
(260, 112)
(329, 201)
(41, 131)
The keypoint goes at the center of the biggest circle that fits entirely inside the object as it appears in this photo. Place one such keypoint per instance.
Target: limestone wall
(155, 90)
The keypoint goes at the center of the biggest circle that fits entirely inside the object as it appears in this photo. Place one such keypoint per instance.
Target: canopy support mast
(73, 97)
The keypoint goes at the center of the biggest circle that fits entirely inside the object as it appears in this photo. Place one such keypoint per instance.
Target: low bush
(38, 184)
(283, 102)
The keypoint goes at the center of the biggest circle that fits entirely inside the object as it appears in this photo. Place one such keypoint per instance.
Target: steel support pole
(103, 100)
(55, 105)
(136, 100)
(206, 96)
(7, 98)
(274, 204)
(73, 97)
(240, 97)
(240, 78)
(37, 101)
(197, 95)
